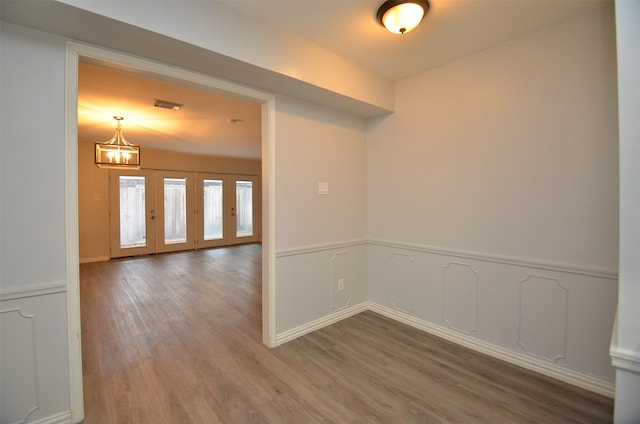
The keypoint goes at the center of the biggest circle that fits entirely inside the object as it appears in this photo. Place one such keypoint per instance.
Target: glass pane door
(244, 212)
(244, 208)
(132, 213)
(133, 229)
(175, 211)
(211, 201)
(212, 209)
(228, 210)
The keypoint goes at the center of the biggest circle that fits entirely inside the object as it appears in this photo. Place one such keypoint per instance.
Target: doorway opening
(75, 54)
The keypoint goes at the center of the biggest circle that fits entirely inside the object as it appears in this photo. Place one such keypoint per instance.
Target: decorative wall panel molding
(340, 284)
(512, 307)
(319, 248)
(19, 366)
(33, 290)
(460, 297)
(401, 280)
(572, 269)
(544, 306)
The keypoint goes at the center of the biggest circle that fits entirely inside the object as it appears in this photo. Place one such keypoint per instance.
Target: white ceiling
(452, 29)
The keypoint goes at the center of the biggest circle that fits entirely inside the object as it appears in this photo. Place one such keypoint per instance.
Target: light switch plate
(323, 188)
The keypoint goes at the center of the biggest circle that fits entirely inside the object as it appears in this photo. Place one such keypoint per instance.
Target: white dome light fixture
(401, 16)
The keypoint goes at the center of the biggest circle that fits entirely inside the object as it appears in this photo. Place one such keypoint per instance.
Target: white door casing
(74, 52)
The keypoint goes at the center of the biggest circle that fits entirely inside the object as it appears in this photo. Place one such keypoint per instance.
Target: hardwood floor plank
(176, 338)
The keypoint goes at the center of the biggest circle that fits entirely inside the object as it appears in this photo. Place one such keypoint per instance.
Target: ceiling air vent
(167, 105)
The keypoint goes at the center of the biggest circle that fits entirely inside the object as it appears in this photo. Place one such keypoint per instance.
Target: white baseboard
(61, 418)
(321, 323)
(596, 385)
(96, 259)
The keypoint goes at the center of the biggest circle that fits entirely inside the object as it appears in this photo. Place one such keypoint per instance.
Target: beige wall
(93, 207)
(93, 190)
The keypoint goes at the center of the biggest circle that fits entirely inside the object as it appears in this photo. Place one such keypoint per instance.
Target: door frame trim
(74, 52)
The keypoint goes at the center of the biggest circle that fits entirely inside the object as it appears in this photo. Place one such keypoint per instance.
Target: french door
(175, 211)
(244, 210)
(132, 213)
(227, 210)
(164, 211)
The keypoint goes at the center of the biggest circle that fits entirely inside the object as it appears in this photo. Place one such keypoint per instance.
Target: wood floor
(175, 338)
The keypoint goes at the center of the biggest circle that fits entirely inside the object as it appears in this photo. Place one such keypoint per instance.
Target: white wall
(493, 200)
(490, 192)
(320, 238)
(33, 312)
(511, 152)
(625, 349)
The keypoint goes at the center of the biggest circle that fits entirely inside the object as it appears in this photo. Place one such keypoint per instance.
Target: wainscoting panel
(34, 362)
(460, 297)
(401, 270)
(543, 304)
(308, 283)
(541, 313)
(18, 353)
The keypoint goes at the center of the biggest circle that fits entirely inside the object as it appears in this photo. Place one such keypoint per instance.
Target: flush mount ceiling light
(167, 105)
(401, 16)
(118, 153)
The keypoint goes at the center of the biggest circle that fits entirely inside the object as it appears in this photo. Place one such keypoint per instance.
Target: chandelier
(118, 152)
